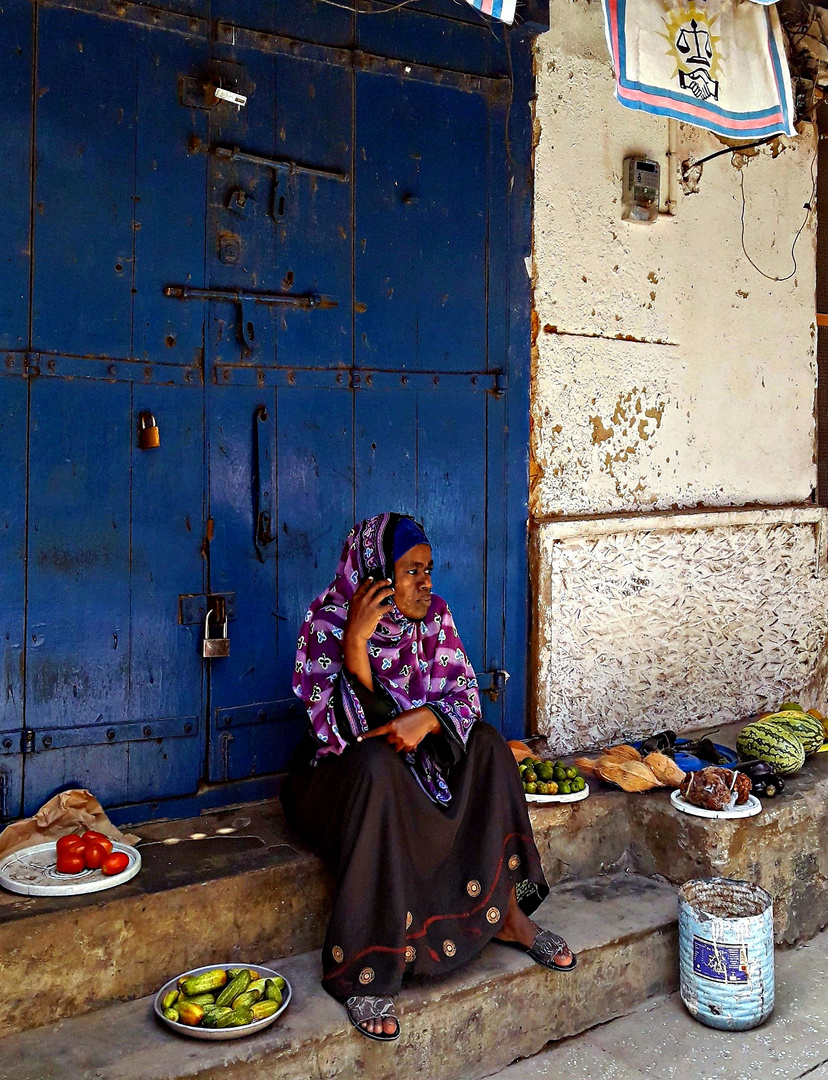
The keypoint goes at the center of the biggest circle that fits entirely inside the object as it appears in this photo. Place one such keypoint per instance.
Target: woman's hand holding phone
(367, 607)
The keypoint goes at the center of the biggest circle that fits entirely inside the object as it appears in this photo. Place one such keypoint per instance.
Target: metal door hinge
(493, 683)
(499, 388)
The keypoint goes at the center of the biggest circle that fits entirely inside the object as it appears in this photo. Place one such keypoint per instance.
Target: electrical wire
(729, 150)
(808, 211)
(356, 11)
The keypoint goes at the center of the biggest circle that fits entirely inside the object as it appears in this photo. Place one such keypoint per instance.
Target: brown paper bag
(71, 811)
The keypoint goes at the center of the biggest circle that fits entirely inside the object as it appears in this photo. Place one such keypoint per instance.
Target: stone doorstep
(253, 892)
(470, 1024)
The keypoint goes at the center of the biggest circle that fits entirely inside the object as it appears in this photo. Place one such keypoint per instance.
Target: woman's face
(412, 582)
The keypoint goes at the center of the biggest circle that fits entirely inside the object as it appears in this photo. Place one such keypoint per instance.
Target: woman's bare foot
(518, 927)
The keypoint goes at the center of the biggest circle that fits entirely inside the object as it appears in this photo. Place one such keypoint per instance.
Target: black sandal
(361, 1009)
(545, 948)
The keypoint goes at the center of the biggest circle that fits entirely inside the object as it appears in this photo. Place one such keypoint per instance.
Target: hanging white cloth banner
(498, 9)
(718, 64)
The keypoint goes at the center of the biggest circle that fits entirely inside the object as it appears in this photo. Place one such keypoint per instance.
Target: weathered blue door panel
(16, 126)
(451, 443)
(421, 225)
(255, 722)
(247, 675)
(242, 242)
(316, 502)
(14, 393)
(170, 200)
(273, 231)
(168, 514)
(79, 548)
(114, 538)
(423, 453)
(314, 117)
(84, 236)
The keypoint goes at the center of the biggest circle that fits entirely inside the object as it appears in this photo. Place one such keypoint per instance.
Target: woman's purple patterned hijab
(417, 663)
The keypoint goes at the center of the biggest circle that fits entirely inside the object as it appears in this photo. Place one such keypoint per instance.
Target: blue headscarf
(408, 534)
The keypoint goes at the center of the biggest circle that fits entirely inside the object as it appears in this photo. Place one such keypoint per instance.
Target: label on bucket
(721, 963)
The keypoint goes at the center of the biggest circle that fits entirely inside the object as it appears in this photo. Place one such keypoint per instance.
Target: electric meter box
(641, 193)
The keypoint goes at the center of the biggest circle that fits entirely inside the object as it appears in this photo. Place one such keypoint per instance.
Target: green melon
(771, 742)
(806, 728)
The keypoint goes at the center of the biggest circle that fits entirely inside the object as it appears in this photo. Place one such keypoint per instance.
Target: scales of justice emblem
(693, 46)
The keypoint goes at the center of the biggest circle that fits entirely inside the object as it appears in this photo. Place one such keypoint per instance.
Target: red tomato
(70, 862)
(94, 856)
(115, 863)
(92, 837)
(67, 843)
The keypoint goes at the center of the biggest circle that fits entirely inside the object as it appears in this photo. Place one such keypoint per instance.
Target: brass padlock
(213, 648)
(148, 435)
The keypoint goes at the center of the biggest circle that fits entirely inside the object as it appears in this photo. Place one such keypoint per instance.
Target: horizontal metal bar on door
(250, 375)
(235, 153)
(308, 302)
(99, 734)
(137, 13)
(226, 33)
(121, 369)
(264, 712)
(278, 44)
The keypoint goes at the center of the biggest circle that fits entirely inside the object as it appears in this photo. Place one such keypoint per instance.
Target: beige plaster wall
(669, 375)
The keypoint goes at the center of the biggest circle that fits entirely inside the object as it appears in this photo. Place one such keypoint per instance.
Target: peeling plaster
(669, 375)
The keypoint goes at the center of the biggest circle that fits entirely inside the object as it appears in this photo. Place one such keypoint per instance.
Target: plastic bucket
(726, 953)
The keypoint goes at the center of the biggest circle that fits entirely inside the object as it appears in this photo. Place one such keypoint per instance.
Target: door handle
(262, 483)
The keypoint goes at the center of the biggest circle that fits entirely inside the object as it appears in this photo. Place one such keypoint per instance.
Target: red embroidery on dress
(436, 918)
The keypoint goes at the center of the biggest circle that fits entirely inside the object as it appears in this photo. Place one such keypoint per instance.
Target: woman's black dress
(420, 888)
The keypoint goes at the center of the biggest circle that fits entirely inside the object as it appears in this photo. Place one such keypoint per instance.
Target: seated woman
(414, 801)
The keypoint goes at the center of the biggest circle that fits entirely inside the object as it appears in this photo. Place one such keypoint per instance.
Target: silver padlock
(215, 647)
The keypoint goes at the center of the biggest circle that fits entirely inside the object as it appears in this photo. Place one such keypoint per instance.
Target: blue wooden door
(391, 398)
(365, 171)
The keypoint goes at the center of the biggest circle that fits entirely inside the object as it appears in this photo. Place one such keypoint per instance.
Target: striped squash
(806, 728)
(771, 742)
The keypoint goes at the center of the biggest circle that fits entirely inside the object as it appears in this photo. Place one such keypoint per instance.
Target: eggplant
(758, 788)
(756, 769)
(663, 742)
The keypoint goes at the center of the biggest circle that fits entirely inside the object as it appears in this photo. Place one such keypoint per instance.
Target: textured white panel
(642, 630)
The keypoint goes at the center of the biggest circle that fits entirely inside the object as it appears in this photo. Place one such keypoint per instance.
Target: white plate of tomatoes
(76, 864)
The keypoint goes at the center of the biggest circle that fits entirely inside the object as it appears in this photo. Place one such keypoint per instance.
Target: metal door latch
(244, 301)
(493, 683)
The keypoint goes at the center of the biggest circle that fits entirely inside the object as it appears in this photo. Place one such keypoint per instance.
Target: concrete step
(237, 883)
(495, 1010)
(227, 885)
(783, 848)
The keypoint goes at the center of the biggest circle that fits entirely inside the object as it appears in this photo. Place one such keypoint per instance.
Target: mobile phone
(378, 575)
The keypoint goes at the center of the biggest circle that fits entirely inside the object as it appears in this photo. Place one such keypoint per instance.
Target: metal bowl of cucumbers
(222, 1001)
